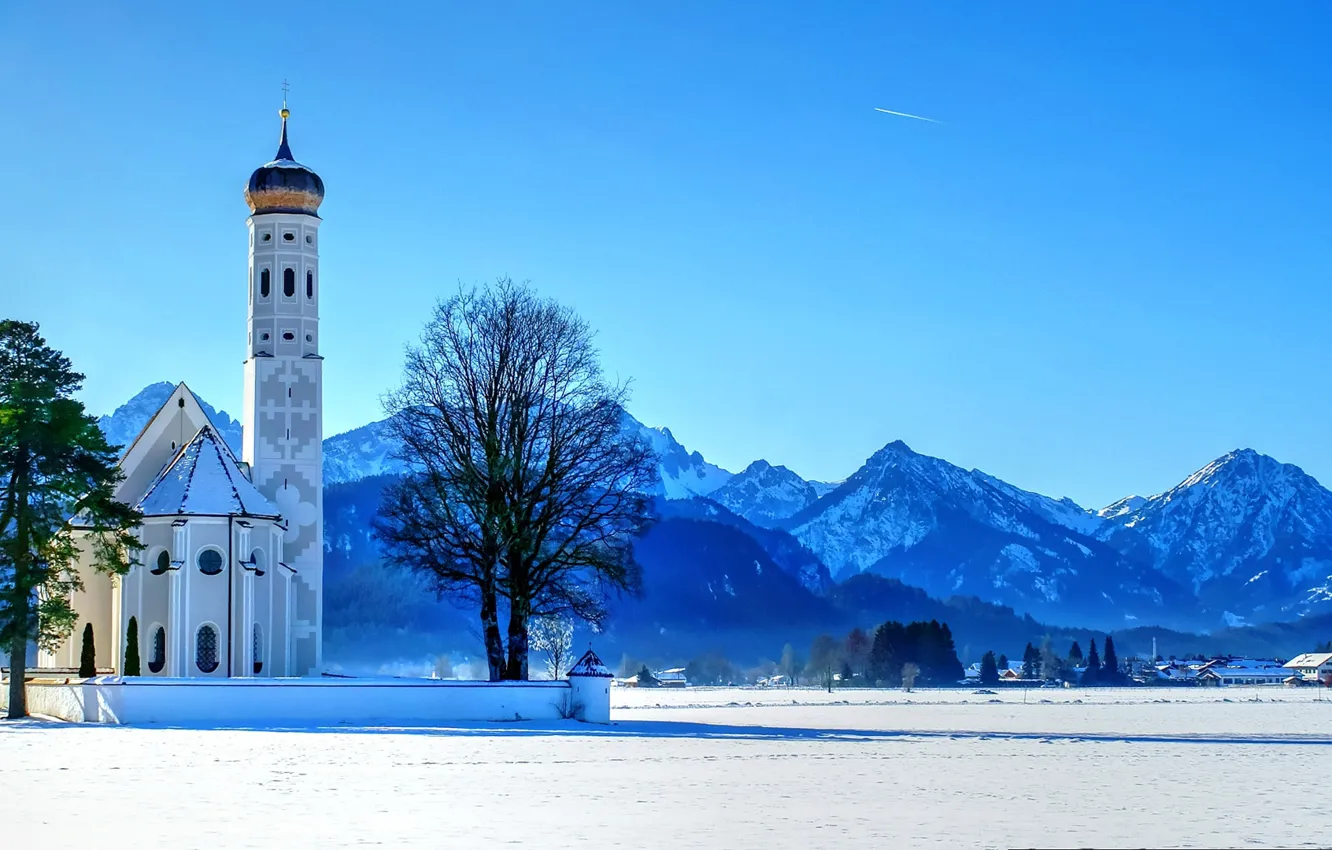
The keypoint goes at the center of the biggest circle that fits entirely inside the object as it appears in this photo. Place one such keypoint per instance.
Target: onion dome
(284, 185)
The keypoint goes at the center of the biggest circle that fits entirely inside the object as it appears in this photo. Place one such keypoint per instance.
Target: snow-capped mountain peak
(1247, 533)
(765, 494)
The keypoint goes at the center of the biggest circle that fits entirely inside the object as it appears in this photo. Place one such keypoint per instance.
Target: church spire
(284, 150)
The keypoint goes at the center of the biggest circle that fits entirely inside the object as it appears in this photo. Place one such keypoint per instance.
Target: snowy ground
(708, 768)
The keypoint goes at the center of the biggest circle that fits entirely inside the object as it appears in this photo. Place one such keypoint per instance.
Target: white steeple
(283, 412)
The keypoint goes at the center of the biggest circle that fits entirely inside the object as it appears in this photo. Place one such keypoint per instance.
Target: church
(229, 582)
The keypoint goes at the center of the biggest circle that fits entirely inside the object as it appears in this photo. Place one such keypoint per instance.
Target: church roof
(204, 480)
(590, 665)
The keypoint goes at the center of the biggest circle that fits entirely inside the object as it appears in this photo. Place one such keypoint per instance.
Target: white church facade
(229, 583)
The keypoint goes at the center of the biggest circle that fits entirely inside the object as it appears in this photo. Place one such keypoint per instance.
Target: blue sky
(1107, 266)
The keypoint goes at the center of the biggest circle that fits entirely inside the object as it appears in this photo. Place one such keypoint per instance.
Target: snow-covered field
(709, 768)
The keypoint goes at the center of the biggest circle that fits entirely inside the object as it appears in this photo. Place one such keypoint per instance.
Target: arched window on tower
(205, 649)
(258, 650)
(289, 283)
(264, 287)
(309, 284)
(157, 657)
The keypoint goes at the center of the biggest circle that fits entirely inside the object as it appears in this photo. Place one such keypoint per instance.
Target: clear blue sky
(1108, 265)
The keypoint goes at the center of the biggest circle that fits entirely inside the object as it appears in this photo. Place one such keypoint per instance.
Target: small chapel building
(230, 577)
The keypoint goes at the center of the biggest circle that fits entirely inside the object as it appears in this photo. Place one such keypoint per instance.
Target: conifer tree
(989, 671)
(88, 655)
(1031, 659)
(1075, 655)
(55, 464)
(1093, 671)
(131, 649)
(1003, 662)
(1110, 662)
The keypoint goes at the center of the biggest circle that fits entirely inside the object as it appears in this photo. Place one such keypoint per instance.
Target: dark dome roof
(284, 185)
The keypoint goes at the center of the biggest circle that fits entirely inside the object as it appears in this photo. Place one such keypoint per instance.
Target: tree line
(1044, 663)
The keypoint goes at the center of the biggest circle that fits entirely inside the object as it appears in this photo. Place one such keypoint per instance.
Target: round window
(163, 563)
(210, 562)
(309, 240)
(268, 237)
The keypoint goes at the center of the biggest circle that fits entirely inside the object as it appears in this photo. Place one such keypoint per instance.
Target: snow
(793, 769)
(203, 480)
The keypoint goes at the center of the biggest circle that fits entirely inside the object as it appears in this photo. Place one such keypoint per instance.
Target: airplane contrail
(907, 115)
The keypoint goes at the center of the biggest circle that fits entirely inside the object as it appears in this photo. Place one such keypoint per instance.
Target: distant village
(1308, 669)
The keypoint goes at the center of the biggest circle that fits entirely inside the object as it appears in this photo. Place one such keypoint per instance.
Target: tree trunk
(18, 675)
(518, 616)
(491, 634)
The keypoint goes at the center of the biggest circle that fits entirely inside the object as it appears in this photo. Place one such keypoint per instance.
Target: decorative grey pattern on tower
(283, 416)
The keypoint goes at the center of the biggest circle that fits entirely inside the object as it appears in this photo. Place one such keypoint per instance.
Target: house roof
(203, 479)
(1310, 659)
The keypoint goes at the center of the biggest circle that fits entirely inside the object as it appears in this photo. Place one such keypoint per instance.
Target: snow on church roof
(204, 480)
(590, 665)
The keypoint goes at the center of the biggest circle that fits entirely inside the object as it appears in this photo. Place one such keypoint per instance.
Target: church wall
(94, 604)
(205, 596)
(147, 596)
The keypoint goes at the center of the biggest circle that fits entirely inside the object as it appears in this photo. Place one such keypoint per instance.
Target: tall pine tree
(1093, 671)
(1075, 655)
(1110, 662)
(54, 464)
(131, 649)
(1031, 660)
(989, 671)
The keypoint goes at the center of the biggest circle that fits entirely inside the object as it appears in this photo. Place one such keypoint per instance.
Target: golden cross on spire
(285, 88)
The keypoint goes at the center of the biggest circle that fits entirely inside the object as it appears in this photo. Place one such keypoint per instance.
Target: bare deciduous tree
(910, 671)
(825, 656)
(524, 489)
(554, 637)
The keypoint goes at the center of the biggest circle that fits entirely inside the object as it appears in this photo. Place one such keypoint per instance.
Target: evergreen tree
(1110, 662)
(88, 655)
(55, 463)
(1075, 655)
(989, 674)
(1003, 662)
(1093, 671)
(646, 679)
(131, 649)
(1031, 659)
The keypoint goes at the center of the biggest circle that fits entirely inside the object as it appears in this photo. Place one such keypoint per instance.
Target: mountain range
(1245, 539)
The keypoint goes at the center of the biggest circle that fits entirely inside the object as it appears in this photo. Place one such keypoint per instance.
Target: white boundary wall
(308, 701)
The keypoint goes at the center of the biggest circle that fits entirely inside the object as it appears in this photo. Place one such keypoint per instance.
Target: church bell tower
(283, 408)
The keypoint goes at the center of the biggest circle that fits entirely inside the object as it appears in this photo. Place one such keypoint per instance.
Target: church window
(288, 336)
(309, 284)
(205, 649)
(163, 563)
(309, 240)
(309, 337)
(210, 562)
(258, 650)
(268, 237)
(157, 653)
(263, 283)
(289, 237)
(263, 337)
(289, 283)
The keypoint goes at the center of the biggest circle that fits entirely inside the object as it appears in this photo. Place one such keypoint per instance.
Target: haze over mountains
(1246, 539)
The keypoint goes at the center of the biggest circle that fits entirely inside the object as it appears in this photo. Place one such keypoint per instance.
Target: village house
(1312, 667)
(1241, 671)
